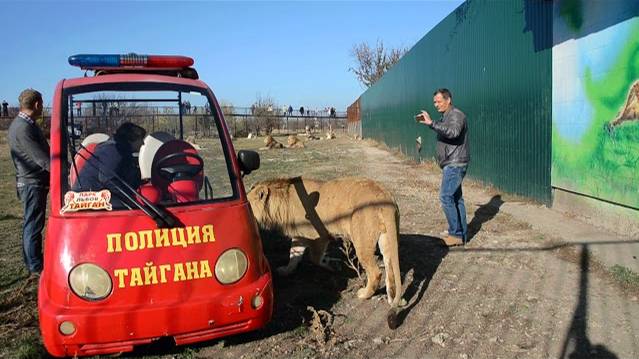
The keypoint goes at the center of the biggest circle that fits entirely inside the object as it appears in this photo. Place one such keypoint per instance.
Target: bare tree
(227, 107)
(372, 63)
(264, 110)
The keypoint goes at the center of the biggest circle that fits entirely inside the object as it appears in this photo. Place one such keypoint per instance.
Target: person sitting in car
(111, 160)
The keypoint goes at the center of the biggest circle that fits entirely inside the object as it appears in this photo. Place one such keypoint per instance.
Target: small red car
(147, 237)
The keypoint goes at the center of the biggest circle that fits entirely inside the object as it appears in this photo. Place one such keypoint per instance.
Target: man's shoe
(452, 241)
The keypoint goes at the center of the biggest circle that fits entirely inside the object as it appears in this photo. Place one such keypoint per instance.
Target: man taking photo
(453, 157)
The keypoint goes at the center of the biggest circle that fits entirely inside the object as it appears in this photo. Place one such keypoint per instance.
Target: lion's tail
(392, 234)
(395, 262)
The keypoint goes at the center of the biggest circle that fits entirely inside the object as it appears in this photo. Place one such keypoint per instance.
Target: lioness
(271, 143)
(330, 134)
(311, 212)
(630, 111)
(309, 134)
(294, 142)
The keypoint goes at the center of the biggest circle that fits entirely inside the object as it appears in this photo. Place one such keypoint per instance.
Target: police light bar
(95, 61)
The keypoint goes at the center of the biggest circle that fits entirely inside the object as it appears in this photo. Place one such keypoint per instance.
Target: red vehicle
(175, 253)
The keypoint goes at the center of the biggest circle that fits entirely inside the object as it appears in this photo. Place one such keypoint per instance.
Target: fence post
(234, 127)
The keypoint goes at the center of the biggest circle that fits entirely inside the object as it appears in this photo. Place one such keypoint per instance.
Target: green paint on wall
(605, 163)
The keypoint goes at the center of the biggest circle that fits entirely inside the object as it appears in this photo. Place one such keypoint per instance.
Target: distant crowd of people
(188, 109)
(330, 111)
(289, 111)
(113, 109)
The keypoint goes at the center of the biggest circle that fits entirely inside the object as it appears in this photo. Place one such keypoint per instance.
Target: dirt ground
(512, 292)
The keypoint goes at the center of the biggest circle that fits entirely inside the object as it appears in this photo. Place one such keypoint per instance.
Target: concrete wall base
(614, 218)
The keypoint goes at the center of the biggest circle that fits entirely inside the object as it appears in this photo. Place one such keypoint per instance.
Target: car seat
(84, 153)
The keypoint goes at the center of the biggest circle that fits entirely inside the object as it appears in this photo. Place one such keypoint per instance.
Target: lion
(294, 142)
(630, 111)
(330, 135)
(191, 141)
(271, 143)
(311, 212)
(309, 134)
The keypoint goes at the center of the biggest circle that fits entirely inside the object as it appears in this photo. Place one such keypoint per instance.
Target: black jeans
(34, 203)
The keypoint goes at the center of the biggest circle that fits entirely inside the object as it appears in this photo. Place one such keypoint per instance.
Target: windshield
(164, 145)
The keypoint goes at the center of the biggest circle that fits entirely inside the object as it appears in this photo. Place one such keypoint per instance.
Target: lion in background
(294, 142)
(309, 134)
(271, 143)
(330, 134)
(311, 212)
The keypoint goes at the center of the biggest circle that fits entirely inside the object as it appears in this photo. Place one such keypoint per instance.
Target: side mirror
(249, 161)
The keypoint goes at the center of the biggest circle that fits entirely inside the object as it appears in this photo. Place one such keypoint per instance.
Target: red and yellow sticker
(81, 201)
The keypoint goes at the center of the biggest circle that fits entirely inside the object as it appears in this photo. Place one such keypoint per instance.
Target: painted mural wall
(595, 99)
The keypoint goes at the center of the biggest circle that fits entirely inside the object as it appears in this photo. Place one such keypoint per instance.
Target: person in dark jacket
(5, 108)
(453, 156)
(31, 159)
(113, 157)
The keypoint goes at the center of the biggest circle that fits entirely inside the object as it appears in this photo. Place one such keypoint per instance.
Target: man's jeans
(450, 195)
(34, 202)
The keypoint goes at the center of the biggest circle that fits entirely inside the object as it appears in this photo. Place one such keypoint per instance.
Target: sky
(297, 53)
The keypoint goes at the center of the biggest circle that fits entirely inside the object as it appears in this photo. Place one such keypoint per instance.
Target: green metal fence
(496, 58)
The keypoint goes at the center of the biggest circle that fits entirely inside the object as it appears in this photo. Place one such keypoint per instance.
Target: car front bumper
(115, 330)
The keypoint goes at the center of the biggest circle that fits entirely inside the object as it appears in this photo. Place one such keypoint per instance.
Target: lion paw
(364, 294)
(402, 302)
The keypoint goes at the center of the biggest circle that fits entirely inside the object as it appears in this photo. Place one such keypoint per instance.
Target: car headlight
(89, 281)
(231, 266)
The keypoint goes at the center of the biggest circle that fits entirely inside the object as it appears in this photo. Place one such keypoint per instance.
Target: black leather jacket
(452, 138)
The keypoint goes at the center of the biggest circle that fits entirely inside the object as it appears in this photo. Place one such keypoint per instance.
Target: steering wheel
(173, 172)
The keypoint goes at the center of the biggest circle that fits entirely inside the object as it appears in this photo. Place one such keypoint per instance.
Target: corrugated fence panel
(489, 55)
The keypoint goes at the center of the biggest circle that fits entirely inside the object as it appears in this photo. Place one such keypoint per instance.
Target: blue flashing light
(90, 61)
